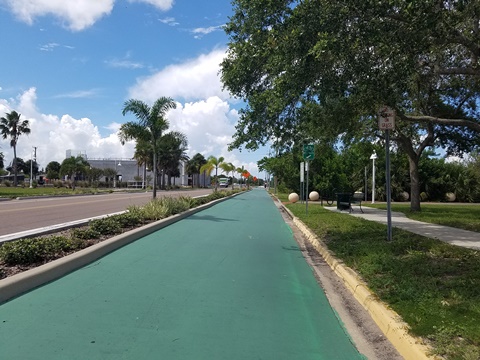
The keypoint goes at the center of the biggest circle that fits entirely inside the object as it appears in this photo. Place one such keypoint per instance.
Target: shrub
(128, 219)
(35, 250)
(106, 226)
(84, 233)
(7, 183)
(156, 210)
(22, 252)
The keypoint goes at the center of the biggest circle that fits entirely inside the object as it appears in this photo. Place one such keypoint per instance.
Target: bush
(36, 250)
(84, 233)
(7, 183)
(128, 219)
(106, 226)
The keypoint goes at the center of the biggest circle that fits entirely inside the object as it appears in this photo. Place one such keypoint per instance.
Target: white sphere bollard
(450, 197)
(314, 196)
(293, 197)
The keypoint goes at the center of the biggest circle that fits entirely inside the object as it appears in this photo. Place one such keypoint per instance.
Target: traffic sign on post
(308, 152)
(386, 118)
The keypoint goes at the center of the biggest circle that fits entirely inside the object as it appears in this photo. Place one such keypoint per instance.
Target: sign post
(386, 121)
(308, 155)
(302, 179)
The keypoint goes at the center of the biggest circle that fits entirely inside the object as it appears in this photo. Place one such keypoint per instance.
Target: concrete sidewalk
(454, 236)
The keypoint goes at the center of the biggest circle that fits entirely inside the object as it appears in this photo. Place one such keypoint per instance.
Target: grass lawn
(433, 286)
(465, 217)
(13, 192)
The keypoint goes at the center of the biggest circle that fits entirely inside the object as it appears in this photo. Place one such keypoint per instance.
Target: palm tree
(207, 168)
(143, 154)
(213, 163)
(150, 126)
(11, 126)
(194, 165)
(228, 168)
(172, 151)
(240, 171)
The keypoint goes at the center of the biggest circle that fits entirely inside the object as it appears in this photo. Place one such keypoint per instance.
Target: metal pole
(366, 184)
(302, 180)
(307, 164)
(31, 170)
(389, 209)
(115, 177)
(373, 182)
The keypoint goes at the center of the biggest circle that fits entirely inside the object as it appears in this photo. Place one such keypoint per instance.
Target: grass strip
(14, 192)
(433, 286)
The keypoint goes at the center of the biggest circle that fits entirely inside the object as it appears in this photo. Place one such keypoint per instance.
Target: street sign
(386, 118)
(309, 152)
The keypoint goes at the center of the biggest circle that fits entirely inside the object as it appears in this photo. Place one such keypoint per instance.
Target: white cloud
(199, 32)
(192, 80)
(78, 94)
(49, 46)
(124, 63)
(169, 21)
(209, 125)
(77, 15)
(160, 4)
(207, 118)
(53, 134)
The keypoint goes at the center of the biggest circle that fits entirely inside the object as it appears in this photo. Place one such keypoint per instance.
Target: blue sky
(68, 67)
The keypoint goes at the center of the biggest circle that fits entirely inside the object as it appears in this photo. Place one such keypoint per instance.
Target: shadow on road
(209, 218)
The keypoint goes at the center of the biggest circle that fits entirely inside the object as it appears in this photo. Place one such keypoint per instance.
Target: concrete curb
(387, 320)
(18, 284)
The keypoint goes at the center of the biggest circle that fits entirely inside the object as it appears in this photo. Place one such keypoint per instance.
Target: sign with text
(308, 152)
(386, 118)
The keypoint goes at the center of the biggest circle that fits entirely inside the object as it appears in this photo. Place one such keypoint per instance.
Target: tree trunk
(414, 184)
(154, 173)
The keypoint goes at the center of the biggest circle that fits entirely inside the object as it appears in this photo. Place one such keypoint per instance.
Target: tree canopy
(317, 69)
(149, 128)
(11, 126)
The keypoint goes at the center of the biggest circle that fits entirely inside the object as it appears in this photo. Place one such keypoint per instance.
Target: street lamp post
(33, 157)
(115, 177)
(366, 184)
(373, 157)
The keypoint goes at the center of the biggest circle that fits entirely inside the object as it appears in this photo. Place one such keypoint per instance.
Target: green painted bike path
(226, 283)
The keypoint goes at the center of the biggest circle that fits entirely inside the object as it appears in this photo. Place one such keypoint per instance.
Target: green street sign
(309, 152)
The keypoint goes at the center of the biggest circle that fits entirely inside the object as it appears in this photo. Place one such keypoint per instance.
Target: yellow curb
(18, 284)
(391, 324)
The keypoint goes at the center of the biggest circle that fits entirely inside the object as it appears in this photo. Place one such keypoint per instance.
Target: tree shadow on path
(209, 218)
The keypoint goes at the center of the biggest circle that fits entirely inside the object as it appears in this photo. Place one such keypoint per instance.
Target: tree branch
(428, 141)
(441, 121)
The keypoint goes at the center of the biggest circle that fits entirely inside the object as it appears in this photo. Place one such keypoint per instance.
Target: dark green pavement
(226, 283)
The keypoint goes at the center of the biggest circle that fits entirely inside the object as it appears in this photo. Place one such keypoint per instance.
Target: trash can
(343, 201)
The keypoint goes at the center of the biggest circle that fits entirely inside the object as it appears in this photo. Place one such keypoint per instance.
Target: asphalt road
(29, 214)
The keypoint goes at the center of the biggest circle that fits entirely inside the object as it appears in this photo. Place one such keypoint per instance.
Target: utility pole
(31, 165)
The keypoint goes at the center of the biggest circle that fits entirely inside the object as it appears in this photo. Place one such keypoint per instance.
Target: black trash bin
(343, 201)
